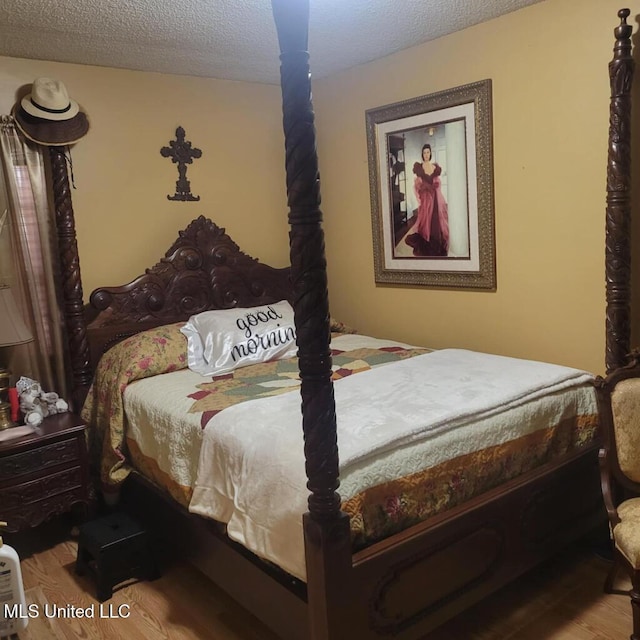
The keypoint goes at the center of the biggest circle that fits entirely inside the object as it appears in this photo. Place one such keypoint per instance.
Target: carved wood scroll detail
(33, 514)
(618, 214)
(42, 458)
(203, 269)
(19, 495)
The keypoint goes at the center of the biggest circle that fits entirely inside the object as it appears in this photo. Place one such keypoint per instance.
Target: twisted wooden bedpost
(618, 216)
(71, 281)
(327, 533)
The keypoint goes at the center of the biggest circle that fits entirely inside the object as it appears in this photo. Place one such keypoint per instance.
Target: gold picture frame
(431, 183)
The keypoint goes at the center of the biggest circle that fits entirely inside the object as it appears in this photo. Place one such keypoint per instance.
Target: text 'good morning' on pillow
(223, 340)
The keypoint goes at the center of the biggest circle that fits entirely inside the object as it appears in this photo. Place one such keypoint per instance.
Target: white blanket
(251, 471)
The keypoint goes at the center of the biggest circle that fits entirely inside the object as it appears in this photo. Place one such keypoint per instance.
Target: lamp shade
(12, 328)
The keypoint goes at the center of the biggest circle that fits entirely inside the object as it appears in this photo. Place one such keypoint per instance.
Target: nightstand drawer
(22, 494)
(39, 459)
(45, 473)
(32, 514)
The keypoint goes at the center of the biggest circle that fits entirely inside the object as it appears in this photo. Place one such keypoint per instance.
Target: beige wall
(124, 221)
(548, 64)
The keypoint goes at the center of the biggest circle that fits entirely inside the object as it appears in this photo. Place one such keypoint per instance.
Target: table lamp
(12, 332)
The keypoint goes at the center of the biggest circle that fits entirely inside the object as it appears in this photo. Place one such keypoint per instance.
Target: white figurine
(35, 404)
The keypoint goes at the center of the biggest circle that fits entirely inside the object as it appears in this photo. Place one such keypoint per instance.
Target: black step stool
(113, 549)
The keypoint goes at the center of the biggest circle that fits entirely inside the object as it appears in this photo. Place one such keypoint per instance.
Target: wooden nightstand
(44, 474)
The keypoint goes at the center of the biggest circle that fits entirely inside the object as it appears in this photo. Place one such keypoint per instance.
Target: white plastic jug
(13, 606)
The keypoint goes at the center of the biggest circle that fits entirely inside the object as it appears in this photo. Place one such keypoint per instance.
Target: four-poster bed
(411, 581)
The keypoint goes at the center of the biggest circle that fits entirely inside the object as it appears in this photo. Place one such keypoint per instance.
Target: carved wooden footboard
(407, 586)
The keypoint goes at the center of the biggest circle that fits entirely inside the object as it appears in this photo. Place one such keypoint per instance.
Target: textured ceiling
(233, 39)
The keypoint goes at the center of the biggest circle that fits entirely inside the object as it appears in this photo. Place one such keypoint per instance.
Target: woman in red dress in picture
(429, 236)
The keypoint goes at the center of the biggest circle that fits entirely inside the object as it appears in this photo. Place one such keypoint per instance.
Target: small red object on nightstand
(15, 403)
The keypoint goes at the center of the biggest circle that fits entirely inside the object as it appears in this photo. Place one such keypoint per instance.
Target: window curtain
(29, 238)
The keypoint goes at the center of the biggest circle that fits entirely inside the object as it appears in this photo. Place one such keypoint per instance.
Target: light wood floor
(562, 600)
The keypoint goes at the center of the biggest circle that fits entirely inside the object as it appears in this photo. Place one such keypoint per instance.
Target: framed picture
(431, 182)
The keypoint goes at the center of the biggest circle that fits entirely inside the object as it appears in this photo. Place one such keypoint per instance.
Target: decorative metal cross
(181, 153)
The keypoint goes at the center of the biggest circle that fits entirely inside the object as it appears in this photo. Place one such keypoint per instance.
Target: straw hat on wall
(49, 116)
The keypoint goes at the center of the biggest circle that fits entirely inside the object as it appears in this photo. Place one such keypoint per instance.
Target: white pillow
(223, 340)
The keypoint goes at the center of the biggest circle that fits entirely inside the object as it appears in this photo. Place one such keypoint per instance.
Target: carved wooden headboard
(203, 269)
